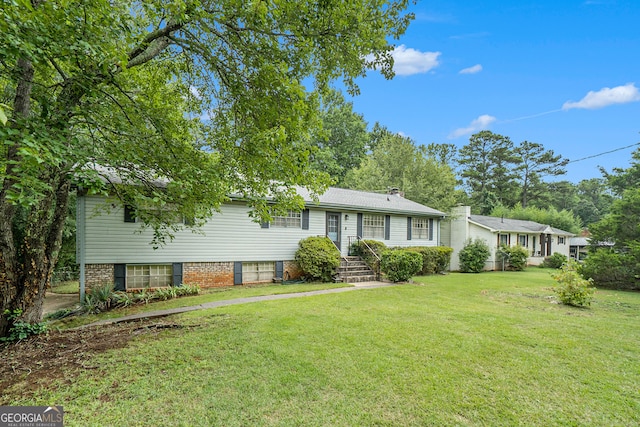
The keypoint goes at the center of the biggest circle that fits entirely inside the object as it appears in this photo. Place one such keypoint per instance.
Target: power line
(602, 154)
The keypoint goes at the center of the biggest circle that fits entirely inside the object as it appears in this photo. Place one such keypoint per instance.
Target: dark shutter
(237, 273)
(431, 229)
(129, 214)
(279, 269)
(120, 277)
(408, 228)
(387, 227)
(305, 219)
(264, 224)
(177, 274)
(359, 226)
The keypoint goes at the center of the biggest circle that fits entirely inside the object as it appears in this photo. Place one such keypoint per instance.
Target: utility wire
(602, 154)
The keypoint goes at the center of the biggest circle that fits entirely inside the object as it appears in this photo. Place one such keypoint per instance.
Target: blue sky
(561, 73)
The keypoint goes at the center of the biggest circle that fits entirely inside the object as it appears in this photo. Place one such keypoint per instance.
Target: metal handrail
(366, 245)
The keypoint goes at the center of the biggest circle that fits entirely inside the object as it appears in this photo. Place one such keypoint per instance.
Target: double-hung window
(292, 219)
(258, 271)
(419, 228)
(373, 226)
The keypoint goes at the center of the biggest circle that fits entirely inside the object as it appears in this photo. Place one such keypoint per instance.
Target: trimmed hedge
(556, 260)
(435, 259)
(400, 265)
(318, 258)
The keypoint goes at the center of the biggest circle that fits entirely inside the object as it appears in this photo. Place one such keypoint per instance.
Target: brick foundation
(208, 274)
(98, 274)
(203, 274)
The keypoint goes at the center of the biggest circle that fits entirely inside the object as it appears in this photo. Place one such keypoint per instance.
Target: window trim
(151, 277)
(293, 219)
(421, 233)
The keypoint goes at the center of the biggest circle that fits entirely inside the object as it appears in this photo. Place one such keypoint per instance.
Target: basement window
(149, 276)
(258, 271)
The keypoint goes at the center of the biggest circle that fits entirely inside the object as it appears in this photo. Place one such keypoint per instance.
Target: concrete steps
(354, 270)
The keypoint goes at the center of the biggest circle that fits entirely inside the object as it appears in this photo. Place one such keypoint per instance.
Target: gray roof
(340, 198)
(515, 225)
(579, 241)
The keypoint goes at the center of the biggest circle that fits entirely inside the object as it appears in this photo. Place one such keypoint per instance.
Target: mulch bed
(29, 364)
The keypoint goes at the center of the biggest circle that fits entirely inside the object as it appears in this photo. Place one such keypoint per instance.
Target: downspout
(80, 240)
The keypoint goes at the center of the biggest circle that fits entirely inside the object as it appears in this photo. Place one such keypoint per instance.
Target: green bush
(572, 289)
(474, 256)
(400, 265)
(556, 260)
(612, 269)
(515, 257)
(100, 298)
(435, 259)
(359, 248)
(318, 258)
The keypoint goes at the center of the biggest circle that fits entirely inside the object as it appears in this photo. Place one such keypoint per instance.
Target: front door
(333, 227)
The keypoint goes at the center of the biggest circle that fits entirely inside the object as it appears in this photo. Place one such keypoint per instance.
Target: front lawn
(485, 349)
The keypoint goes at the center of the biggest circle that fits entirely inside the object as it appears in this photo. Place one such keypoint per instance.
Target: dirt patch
(30, 364)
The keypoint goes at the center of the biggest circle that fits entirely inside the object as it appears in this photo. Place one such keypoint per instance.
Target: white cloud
(478, 124)
(195, 92)
(605, 97)
(471, 70)
(408, 61)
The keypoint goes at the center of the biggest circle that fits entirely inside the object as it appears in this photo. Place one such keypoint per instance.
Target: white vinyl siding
(148, 276)
(373, 226)
(258, 271)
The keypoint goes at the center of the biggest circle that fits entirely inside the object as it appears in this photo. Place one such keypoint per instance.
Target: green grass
(69, 287)
(206, 295)
(487, 349)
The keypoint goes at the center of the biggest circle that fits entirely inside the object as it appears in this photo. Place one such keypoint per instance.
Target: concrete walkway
(54, 302)
(224, 303)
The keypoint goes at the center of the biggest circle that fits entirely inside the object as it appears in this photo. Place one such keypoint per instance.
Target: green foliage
(564, 220)
(617, 266)
(201, 99)
(104, 298)
(60, 314)
(318, 258)
(21, 330)
(486, 164)
(435, 259)
(613, 269)
(515, 257)
(473, 256)
(399, 265)
(534, 163)
(572, 289)
(343, 141)
(556, 260)
(359, 248)
(398, 162)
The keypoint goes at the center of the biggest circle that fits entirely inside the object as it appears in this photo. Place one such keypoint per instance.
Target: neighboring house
(232, 249)
(578, 248)
(539, 239)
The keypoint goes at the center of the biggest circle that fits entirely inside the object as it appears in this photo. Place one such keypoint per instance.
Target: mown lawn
(488, 349)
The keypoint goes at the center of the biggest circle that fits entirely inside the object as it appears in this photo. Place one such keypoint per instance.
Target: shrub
(21, 330)
(400, 265)
(99, 299)
(515, 257)
(318, 258)
(612, 269)
(473, 256)
(572, 289)
(360, 249)
(556, 260)
(435, 259)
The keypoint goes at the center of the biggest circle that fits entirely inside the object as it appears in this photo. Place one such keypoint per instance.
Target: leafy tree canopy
(396, 162)
(564, 220)
(209, 97)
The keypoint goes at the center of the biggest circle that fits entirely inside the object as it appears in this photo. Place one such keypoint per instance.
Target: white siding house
(231, 248)
(539, 239)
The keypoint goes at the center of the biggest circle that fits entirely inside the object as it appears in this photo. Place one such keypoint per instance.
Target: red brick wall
(208, 274)
(98, 274)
